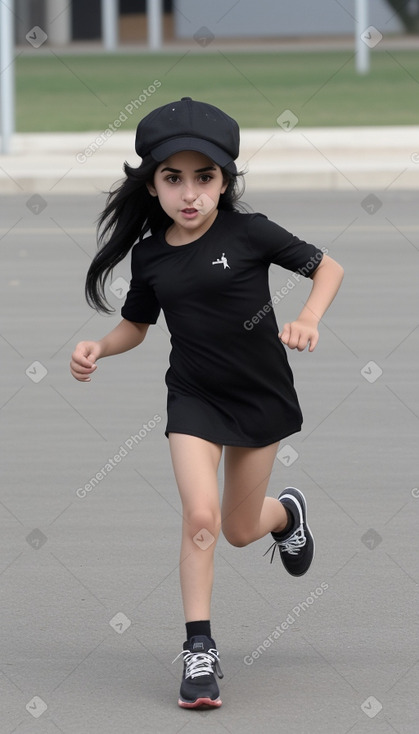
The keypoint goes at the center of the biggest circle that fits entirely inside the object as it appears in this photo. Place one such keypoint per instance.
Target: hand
(298, 334)
(83, 360)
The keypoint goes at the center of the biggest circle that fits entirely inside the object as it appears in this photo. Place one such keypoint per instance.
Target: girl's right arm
(125, 336)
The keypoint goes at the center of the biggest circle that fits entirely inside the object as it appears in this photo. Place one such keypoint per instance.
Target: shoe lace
(200, 663)
(291, 545)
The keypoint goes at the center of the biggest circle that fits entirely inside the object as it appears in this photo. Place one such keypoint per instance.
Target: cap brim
(177, 145)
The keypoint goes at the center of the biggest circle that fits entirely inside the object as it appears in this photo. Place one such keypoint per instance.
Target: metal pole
(58, 22)
(7, 75)
(154, 24)
(110, 20)
(361, 48)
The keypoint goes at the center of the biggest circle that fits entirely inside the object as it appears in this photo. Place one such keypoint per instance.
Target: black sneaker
(296, 548)
(199, 689)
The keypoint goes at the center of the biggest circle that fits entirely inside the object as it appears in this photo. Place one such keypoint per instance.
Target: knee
(202, 519)
(236, 536)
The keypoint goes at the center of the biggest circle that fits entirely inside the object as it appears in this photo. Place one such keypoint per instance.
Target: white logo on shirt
(222, 261)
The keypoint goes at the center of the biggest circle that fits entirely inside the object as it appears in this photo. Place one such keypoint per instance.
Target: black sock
(289, 525)
(198, 628)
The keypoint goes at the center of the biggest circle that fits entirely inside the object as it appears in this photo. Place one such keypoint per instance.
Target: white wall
(278, 18)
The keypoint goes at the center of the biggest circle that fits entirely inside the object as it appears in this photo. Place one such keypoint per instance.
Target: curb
(274, 159)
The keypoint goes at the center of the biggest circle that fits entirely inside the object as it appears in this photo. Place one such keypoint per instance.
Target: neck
(178, 236)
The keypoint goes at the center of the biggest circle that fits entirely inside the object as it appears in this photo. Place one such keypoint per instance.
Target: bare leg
(195, 463)
(247, 514)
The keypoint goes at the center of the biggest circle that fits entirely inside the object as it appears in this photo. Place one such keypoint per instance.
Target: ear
(151, 190)
(225, 185)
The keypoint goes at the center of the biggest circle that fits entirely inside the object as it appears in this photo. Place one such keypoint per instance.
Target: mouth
(189, 211)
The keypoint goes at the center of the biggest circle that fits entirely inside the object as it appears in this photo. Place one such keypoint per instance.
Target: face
(188, 185)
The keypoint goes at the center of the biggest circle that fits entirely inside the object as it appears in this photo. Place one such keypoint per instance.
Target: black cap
(189, 125)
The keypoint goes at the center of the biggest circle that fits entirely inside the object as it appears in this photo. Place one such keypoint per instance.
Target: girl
(205, 264)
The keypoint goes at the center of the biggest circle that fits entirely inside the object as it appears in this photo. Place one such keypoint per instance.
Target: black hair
(130, 213)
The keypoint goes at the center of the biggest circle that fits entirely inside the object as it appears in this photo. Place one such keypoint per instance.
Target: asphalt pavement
(91, 607)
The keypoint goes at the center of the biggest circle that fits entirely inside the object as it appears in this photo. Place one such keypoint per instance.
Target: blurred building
(79, 20)
(270, 19)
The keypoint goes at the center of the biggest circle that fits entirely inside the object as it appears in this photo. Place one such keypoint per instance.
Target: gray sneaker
(199, 689)
(296, 548)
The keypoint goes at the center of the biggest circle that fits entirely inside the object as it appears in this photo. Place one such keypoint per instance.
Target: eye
(205, 177)
(172, 178)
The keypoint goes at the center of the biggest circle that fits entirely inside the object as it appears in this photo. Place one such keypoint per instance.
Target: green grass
(77, 93)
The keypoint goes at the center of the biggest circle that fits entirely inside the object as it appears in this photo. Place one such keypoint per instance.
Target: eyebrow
(198, 170)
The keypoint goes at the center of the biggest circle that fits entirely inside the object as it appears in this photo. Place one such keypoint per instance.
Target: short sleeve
(141, 304)
(276, 245)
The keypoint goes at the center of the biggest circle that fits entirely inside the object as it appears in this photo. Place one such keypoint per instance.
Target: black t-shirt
(229, 380)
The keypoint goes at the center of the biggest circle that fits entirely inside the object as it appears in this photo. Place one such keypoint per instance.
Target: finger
(79, 378)
(313, 341)
(285, 333)
(294, 339)
(82, 368)
(80, 373)
(303, 340)
(84, 360)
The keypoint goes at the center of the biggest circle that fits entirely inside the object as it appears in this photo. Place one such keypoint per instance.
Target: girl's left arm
(326, 282)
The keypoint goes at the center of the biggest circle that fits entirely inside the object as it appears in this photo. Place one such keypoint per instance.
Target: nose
(188, 193)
